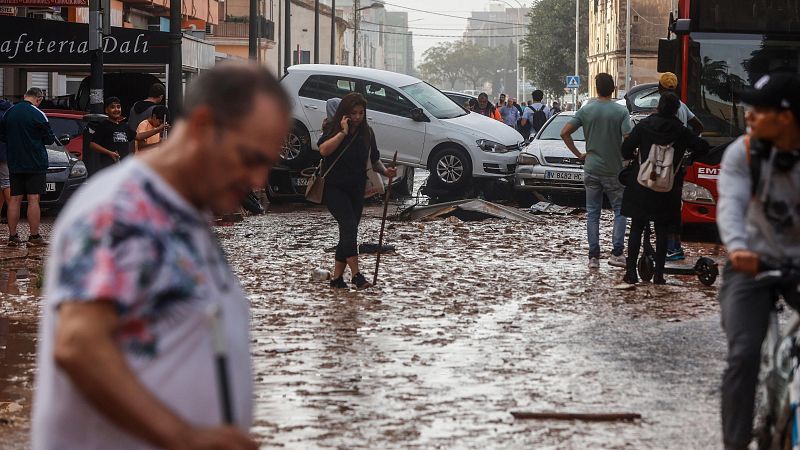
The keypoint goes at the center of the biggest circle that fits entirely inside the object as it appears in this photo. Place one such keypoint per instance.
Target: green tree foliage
(550, 45)
(471, 65)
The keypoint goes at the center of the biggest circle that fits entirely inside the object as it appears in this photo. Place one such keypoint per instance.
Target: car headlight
(526, 159)
(491, 146)
(696, 194)
(78, 170)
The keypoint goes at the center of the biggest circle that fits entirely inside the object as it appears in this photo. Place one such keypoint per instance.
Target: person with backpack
(758, 216)
(656, 145)
(535, 116)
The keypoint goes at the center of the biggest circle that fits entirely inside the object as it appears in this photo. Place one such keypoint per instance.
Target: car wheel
(451, 170)
(296, 152)
(405, 187)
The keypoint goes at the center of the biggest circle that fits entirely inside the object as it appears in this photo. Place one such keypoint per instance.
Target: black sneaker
(36, 240)
(338, 283)
(361, 282)
(659, 279)
(14, 241)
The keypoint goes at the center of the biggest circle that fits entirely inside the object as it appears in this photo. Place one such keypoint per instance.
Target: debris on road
(466, 210)
(586, 417)
(553, 209)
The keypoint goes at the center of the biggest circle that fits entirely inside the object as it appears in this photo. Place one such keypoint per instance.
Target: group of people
(611, 139)
(758, 213)
(527, 118)
(25, 133)
(118, 136)
(137, 285)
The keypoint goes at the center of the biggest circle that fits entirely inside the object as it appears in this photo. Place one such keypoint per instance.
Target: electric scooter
(706, 269)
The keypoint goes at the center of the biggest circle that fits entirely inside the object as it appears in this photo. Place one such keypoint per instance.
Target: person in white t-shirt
(125, 358)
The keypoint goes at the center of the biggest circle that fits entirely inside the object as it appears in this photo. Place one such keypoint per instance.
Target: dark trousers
(345, 204)
(635, 243)
(745, 305)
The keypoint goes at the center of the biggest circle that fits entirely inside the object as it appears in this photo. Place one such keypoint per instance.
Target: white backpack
(657, 173)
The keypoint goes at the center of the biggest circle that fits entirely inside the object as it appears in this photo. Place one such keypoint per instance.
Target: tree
(550, 48)
(440, 66)
(476, 62)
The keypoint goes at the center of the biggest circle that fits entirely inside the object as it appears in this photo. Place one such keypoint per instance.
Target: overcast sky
(442, 26)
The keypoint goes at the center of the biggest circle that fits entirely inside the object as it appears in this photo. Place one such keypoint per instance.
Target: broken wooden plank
(587, 417)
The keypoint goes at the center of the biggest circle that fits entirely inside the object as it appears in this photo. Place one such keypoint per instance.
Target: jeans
(745, 305)
(596, 186)
(345, 204)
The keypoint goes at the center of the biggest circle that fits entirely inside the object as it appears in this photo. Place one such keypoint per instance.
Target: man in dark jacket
(26, 131)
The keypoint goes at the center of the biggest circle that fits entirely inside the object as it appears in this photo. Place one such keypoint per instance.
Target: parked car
(65, 174)
(460, 98)
(547, 165)
(287, 184)
(425, 127)
(68, 126)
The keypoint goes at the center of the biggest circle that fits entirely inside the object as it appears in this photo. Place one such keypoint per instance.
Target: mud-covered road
(470, 321)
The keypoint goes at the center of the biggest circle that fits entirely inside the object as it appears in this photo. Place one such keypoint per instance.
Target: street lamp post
(577, 41)
(333, 32)
(316, 31)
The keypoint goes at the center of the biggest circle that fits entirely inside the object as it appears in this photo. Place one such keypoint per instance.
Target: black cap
(776, 90)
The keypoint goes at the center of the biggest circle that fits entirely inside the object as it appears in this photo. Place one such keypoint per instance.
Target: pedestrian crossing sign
(573, 81)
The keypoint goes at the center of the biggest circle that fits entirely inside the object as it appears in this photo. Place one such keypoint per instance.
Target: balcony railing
(239, 29)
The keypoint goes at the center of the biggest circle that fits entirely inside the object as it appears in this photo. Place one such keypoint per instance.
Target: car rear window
(326, 87)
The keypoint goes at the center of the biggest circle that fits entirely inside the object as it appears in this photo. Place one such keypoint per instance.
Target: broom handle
(383, 222)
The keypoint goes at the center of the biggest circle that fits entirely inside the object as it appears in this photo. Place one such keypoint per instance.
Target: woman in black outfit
(348, 138)
(644, 205)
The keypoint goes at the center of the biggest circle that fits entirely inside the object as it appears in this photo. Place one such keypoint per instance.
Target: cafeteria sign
(37, 41)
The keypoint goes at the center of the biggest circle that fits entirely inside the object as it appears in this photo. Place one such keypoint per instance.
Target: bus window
(720, 65)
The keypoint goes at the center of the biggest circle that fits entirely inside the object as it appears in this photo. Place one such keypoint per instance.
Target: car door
(389, 115)
(315, 93)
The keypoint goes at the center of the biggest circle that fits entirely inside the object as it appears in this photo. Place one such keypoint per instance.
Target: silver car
(547, 165)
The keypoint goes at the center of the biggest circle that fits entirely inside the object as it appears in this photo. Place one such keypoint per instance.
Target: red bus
(717, 47)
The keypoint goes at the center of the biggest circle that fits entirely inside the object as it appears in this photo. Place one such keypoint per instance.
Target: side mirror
(417, 115)
(64, 139)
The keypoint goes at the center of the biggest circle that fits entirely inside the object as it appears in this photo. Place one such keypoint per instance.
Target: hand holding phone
(345, 125)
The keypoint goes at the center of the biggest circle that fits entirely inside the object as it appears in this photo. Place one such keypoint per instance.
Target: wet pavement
(469, 321)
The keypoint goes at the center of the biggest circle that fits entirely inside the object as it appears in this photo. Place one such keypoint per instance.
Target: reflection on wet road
(469, 322)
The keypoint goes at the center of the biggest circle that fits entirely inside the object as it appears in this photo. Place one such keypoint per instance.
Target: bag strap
(340, 156)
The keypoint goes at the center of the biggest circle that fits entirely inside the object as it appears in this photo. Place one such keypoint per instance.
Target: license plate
(563, 176)
(300, 181)
(50, 187)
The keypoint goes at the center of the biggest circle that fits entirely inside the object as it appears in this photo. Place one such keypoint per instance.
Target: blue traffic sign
(573, 82)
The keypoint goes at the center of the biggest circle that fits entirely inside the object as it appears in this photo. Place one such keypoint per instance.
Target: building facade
(399, 44)
(606, 52)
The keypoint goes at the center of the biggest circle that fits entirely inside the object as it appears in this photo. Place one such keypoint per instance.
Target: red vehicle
(69, 124)
(718, 47)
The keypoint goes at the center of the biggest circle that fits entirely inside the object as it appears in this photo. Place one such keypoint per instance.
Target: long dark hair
(348, 103)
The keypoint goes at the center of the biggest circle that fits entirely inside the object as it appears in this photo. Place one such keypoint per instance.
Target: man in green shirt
(605, 124)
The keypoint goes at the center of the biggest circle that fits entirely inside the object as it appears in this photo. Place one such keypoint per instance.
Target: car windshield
(434, 101)
(552, 130)
(646, 100)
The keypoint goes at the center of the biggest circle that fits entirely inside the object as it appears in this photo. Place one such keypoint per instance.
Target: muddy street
(469, 322)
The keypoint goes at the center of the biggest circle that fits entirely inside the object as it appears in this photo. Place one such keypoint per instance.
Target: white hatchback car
(547, 164)
(427, 129)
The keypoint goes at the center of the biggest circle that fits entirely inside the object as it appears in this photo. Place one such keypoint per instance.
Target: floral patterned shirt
(128, 238)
